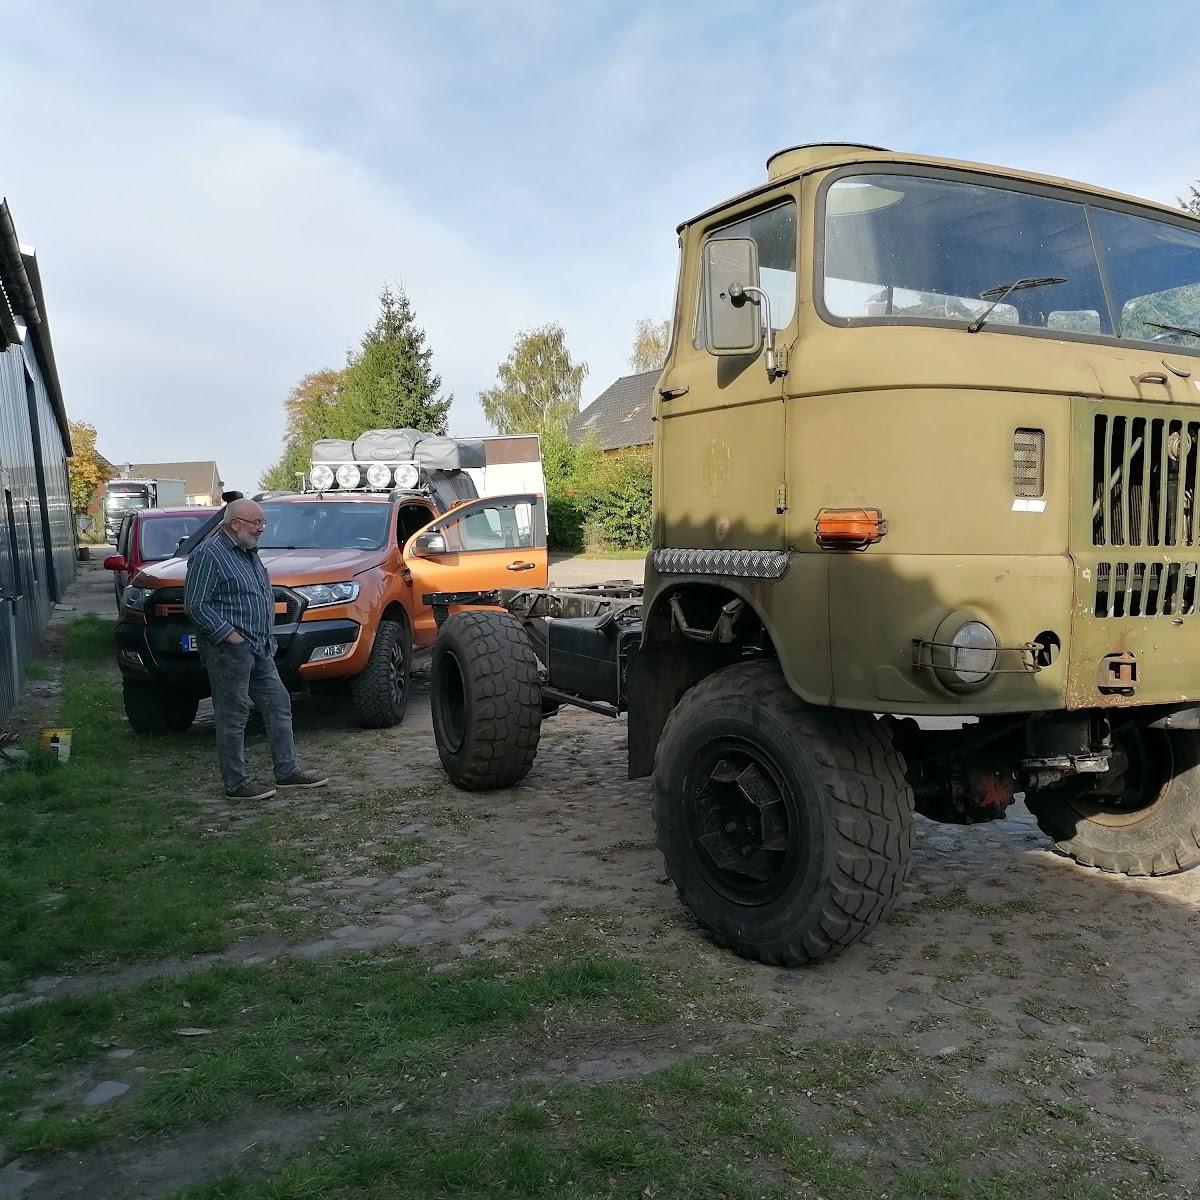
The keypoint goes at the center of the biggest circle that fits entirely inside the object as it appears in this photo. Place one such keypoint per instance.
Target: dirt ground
(1006, 973)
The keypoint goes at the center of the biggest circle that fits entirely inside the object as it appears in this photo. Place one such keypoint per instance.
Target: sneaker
(250, 791)
(304, 779)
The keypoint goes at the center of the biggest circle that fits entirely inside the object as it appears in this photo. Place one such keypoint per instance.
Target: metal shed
(37, 526)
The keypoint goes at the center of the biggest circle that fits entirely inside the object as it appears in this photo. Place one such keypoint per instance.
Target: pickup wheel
(379, 694)
(786, 829)
(487, 700)
(1142, 817)
(151, 709)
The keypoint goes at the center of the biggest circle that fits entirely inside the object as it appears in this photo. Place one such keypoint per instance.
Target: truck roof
(822, 156)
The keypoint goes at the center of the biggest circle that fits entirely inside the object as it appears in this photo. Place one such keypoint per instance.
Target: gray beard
(247, 541)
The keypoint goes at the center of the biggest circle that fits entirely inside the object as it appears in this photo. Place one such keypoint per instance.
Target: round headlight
(348, 475)
(379, 476)
(407, 475)
(974, 654)
(322, 477)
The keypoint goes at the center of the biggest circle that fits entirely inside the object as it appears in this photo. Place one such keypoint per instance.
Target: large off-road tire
(152, 709)
(1151, 826)
(379, 693)
(487, 700)
(787, 829)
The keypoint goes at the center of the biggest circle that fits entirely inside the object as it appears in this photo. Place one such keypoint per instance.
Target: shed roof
(21, 298)
(620, 415)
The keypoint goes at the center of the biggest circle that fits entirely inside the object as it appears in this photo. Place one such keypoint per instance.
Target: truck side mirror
(429, 544)
(115, 562)
(733, 319)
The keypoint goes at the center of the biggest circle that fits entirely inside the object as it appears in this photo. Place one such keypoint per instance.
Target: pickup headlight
(320, 594)
(135, 598)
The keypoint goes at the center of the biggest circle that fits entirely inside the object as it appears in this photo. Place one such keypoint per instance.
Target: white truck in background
(129, 495)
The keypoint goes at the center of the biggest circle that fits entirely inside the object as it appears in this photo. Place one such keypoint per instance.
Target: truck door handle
(672, 393)
(520, 566)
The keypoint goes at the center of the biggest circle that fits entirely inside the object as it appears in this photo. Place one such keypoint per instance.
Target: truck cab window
(491, 527)
(774, 233)
(925, 247)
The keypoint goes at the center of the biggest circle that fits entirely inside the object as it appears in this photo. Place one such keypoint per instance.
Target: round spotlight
(966, 653)
(348, 476)
(322, 477)
(378, 475)
(407, 475)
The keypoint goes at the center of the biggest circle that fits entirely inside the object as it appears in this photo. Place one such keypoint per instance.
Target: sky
(218, 191)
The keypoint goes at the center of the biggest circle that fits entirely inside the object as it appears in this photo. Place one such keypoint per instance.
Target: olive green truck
(926, 447)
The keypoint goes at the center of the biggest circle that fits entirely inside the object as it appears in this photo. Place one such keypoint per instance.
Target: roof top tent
(385, 459)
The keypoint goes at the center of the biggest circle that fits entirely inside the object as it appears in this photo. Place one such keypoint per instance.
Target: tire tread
(872, 826)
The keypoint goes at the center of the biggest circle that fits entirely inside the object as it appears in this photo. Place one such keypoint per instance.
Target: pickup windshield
(901, 247)
(334, 525)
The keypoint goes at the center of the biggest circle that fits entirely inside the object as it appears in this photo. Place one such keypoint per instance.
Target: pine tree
(390, 382)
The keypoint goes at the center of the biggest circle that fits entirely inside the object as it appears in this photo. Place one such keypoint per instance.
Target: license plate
(188, 643)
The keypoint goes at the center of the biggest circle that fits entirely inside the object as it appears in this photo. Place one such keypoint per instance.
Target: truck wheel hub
(740, 823)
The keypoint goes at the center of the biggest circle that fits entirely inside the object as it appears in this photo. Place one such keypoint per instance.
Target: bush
(564, 522)
(620, 511)
(596, 502)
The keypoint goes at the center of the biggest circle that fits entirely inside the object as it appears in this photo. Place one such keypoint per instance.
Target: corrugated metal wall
(37, 533)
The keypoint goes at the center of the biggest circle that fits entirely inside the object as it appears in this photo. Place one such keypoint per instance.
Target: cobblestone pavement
(1024, 975)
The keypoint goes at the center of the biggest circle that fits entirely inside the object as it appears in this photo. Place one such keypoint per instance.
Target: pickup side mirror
(115, 562)
(733, 318)
(428, 545)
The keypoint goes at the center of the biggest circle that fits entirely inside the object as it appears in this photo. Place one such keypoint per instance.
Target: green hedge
(609, 509)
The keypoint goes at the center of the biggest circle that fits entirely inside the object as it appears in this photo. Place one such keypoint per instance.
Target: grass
(95, 866)
(295, 1035)
(734, 1125)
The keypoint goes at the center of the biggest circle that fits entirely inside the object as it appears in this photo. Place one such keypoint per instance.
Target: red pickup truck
(148, 536)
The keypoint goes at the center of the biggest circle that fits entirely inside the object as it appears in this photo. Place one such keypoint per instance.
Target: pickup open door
(477, 547)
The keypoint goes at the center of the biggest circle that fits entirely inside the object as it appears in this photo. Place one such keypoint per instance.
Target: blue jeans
(239, 674)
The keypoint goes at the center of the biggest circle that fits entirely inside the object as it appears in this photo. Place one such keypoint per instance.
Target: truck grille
(1139, 589)
(1144, 484)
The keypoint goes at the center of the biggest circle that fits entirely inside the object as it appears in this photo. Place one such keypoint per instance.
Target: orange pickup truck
(354, 574)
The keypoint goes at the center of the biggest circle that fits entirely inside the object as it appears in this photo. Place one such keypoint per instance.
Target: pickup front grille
(1140, 589)
(1144, 474)
(168, 603)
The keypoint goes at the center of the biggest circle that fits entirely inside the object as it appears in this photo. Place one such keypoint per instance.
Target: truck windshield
(335, 525)
(925, 247)
(127, 498)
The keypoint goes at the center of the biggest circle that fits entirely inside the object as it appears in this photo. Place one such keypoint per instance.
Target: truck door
(719, 471)
(477, 547)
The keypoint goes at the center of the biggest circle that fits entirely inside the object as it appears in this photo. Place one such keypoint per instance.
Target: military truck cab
(926, 447)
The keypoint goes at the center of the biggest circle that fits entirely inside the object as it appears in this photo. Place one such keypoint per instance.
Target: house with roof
(619, 418)
(201, 480)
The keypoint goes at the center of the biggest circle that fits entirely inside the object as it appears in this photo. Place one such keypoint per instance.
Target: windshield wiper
(1173, 328)
(1003, 290)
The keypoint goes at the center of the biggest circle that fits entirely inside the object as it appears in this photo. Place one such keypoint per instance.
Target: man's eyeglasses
(259, 525)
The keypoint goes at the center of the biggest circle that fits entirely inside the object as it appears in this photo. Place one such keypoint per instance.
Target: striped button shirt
(228, 591)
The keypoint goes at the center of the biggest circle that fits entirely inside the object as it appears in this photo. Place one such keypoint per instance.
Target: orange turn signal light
(849, 528)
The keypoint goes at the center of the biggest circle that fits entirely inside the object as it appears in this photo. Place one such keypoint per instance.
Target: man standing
(229, 599)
